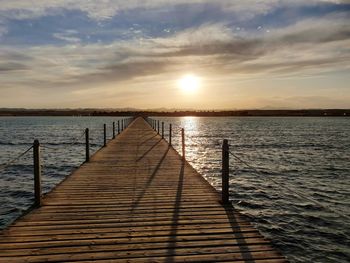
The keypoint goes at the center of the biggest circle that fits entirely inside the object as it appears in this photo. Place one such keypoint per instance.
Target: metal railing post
(183, 143)
(162, 130)
(225, 172)
(170, 131)
(87, 145)
(113, 130)
(104, 135)
(37, 173)
(118, 127)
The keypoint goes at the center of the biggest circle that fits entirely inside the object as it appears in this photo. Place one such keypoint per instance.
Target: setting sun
(189, 83)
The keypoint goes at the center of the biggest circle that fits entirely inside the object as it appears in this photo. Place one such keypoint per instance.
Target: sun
(189, 83)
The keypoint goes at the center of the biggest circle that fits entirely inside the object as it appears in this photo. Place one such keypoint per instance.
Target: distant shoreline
(247, 113)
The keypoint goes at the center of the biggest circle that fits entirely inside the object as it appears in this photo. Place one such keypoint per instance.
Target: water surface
(310, 156)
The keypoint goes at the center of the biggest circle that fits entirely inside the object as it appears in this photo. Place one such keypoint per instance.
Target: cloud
(105, 9)
(67, 36)
(3, 30)
(312, 46)
(12, 66)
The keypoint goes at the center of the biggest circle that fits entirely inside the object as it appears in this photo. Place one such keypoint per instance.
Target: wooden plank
(250, 237)
(252, 244)
(135, 201)
(191, 258)
(183, 254)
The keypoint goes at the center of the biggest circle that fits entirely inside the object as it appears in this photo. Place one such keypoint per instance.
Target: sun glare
(189, 83)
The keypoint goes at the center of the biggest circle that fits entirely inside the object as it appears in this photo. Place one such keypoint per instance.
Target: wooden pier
(136, 200)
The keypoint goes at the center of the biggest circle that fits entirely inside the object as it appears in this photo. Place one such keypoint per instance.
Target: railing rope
(225, 172)
(5, 165)
(37, 173)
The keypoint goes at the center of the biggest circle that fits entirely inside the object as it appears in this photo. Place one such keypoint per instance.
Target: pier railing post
(158, 126)
(162, 130)
(183, 143)
(87, 145)
(113, 130)
(104, 135)
(37, 173)
(225, 172)
(118, 127)
(170, 131)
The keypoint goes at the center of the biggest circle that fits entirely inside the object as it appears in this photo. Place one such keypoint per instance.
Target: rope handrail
(43, 145)
(5, 165)
(177, 128)
(288, 188)
(75, 141)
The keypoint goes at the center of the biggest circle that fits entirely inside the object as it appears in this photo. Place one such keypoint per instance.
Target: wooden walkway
(135, 201)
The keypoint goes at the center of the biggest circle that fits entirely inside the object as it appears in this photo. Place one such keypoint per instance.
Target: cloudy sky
(117, 53)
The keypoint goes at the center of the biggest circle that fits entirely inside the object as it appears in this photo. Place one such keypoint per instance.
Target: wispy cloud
(68, 36)
(100, 10)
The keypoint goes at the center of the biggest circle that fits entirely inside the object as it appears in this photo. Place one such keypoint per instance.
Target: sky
(276, 54)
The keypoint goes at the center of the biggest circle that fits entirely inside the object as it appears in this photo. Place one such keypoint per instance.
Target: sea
(289, 175)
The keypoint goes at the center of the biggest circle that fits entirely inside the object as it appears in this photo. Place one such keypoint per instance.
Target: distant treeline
(92, 112)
